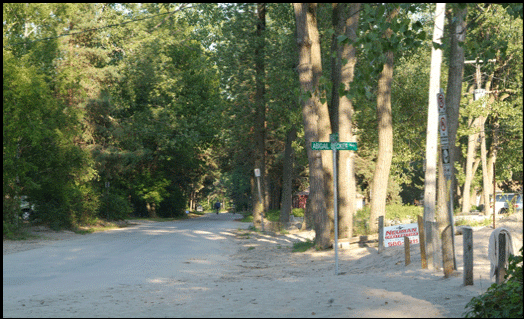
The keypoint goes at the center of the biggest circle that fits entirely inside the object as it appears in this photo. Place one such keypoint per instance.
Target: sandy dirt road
(207, 267)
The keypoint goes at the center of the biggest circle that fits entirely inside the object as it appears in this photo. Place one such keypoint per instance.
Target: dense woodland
(111, 110)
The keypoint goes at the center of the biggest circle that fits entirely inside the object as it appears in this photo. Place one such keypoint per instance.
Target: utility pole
(430, 180)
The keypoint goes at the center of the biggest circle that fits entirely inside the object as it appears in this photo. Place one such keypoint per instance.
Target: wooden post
(406, 250)
(380, 234)
(467, 235)
(422, 240)
(447, 259)
(501, 265)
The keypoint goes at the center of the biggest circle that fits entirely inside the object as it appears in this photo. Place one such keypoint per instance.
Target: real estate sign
(394, 235)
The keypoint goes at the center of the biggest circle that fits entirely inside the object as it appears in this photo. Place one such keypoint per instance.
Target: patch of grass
(474, 223)
(20, 234)
(247, 219)
(251, 248)
(85, 231)
(298, 212)
(302, 246)
(273, 215)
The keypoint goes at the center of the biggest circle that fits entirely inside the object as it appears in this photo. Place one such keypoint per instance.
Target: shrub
(503, 300)
(114, 207)
(298, 212)
(173, 204)
(393, 211)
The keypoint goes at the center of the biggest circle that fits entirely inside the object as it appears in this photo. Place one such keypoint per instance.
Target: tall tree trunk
(260, 205)
(385, 138)
(324, 124)
(287, 179)
(470, 172)
(345, 21)
(454, 87)
(486, 178)
(432, 129)
(316, 200)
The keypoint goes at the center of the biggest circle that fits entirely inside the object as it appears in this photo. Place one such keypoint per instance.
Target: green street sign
(320, 146)
(339, 146)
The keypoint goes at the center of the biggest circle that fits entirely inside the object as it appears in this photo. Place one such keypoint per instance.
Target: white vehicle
(503, 200)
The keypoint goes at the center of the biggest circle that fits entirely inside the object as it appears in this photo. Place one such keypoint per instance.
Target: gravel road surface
(123, 272)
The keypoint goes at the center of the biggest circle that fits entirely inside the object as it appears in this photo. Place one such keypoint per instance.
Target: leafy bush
(114, 207)
(503, 300)
(174, 204)
(298, 212)
(393, 212)
(273, 215)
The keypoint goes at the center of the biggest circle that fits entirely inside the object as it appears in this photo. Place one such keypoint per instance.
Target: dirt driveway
(210, 267)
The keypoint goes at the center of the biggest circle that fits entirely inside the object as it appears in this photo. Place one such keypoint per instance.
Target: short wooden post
(501, 265)
(422, 240)
(406, 250)
(380, 234)
(467, 236)
(447, 258)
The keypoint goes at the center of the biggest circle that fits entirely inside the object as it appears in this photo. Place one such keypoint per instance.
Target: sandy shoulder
(369, 284)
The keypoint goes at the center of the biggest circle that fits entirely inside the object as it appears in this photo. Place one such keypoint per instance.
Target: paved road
(43, 281)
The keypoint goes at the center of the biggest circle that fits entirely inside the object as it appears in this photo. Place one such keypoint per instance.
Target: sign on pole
(334, 145)
(339, 146)
(257, 175)
(446, 162)
(394, 235)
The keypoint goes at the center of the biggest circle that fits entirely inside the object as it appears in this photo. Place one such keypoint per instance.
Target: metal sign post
(257, 175)
(334, 145)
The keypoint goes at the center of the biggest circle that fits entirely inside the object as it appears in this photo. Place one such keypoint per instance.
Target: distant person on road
(217, 206)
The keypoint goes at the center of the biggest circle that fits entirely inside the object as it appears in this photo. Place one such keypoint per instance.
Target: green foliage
(273, 215)
(298, 212)
(114, 207)
(503, 300)
(173, 205)
(393, 212)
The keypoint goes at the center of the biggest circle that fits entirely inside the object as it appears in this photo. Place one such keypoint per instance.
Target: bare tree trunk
(454, 88)
(432, 129)
(287, 179)
(260, 205)
(324, 124)
(316, 200)
(486, 180)
(385, 139)
(470, 157)
(345, 21)
(443, 220)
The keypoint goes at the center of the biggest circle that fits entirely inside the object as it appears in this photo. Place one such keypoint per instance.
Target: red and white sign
(394, 235)
(443, 125)
(441, 103)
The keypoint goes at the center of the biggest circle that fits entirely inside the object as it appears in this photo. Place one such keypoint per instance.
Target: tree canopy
(151, 109)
